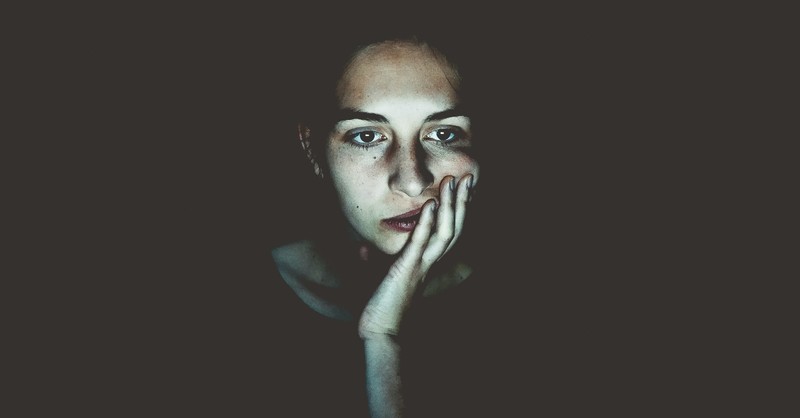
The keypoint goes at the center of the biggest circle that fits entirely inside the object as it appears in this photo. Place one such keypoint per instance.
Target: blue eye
(365, 138)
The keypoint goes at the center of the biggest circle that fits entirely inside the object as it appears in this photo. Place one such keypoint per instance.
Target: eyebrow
(349, 114)
(449, 113)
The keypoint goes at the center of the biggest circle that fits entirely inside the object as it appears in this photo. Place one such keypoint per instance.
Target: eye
(365, 138)
(445, 135)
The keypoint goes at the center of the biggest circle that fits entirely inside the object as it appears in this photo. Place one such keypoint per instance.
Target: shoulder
(302, 260)
(296, 262)
(303, 269)
(292, 254)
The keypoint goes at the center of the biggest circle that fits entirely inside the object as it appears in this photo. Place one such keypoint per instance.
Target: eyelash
(457, 133)
(352, 136)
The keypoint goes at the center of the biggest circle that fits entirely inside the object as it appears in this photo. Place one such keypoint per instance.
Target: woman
(384, 276)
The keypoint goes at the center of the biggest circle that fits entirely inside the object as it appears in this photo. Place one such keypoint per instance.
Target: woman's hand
(435, 233)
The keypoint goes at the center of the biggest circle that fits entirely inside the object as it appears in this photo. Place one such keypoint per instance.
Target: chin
(394, 245)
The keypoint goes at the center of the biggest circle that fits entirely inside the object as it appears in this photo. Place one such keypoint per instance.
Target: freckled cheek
(347, 173)
(356, 188)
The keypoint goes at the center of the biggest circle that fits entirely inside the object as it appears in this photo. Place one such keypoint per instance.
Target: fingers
(445, 221)
(439, 227)
(463, 190)
(385, 309)
(422, 232)
(436, 232)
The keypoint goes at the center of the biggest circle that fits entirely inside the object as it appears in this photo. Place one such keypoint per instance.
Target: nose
(410, 174)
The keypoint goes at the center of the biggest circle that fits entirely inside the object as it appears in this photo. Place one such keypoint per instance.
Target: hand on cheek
(450, 216)
(437, 231)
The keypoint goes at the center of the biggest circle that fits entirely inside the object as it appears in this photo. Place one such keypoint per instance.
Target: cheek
(344, 174)
(354, 173)
(354, 187)
(458, 166)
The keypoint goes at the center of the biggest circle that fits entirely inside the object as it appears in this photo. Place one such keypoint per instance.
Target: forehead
(397, 69)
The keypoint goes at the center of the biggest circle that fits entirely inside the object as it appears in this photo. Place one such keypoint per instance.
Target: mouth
(404, 222)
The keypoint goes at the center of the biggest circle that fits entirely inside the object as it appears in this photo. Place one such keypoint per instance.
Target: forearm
(381, 319)
(383, 376)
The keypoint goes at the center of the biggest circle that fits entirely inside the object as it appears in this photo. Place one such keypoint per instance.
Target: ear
(304, 135)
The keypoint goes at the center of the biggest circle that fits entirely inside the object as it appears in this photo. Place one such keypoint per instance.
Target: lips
(404, 222)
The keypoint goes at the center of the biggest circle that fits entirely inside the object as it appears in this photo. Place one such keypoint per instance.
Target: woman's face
(398, 133)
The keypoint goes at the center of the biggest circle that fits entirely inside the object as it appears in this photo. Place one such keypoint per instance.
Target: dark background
(173, 157)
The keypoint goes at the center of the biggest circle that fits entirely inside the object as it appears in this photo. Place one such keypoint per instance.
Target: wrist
(376, 334)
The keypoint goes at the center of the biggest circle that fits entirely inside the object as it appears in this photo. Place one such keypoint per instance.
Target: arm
(434, 235)
(383, 377)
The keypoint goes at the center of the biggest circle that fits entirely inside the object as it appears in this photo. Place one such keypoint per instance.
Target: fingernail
(453, 183)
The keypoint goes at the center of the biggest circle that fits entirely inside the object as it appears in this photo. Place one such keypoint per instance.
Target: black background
(171, 153)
